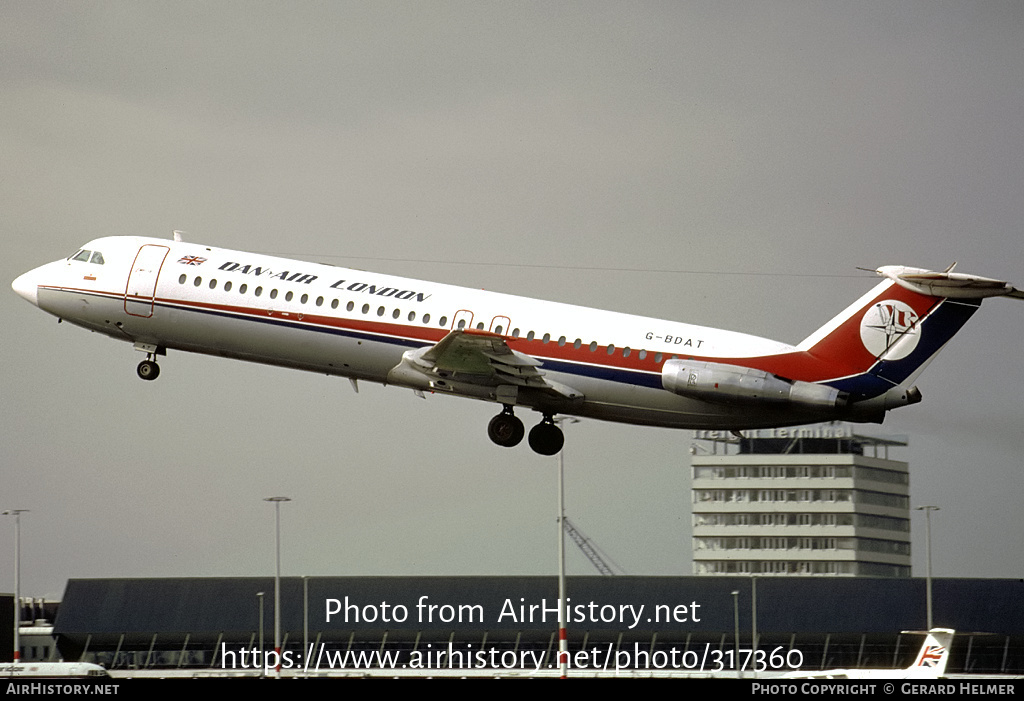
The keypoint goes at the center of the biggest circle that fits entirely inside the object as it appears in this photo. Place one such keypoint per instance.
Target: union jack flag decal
(931, 656)
(191, 260)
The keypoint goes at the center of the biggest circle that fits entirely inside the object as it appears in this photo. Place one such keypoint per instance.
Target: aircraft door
(500, 324)
(463, 319)
(140, 291)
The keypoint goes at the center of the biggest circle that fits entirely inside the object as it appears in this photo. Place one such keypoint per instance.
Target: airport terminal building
(809, 500)
(633, 624)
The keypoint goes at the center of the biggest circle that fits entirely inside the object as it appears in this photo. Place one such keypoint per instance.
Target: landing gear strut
(505, 429)
(546, 438)
(148, 369)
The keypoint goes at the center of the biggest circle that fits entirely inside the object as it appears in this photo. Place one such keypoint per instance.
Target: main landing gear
(507, 430)
(546, 438)
(148, 369)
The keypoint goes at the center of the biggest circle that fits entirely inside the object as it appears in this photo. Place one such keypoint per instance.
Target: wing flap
(467, 360)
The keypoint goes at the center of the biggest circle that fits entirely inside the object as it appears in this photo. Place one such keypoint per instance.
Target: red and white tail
(886, 338)
(934, 654)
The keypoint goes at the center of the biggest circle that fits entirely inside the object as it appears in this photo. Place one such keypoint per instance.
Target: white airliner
(48, 670)
(930, 662)
(515, 351)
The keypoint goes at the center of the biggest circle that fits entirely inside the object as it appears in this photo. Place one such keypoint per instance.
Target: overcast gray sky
(722, 163)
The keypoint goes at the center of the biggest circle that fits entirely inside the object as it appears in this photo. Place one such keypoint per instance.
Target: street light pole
(563, 636)
(259, 597)
(277, 581)
(928, 547)
(16, 513)
(736, 632)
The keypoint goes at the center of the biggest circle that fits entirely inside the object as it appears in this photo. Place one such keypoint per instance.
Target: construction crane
(599, 559)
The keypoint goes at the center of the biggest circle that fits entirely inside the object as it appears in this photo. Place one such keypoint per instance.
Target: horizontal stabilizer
(948, 284)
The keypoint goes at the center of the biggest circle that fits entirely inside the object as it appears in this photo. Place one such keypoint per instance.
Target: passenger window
(498, 328)
(304, 299)
(657, 357)
(198, 281)
(426, 318)
(561, 340)
(611, 348)
(181, 279)
(227, 286)
(350, 306)
(242, 289)
(643, 354)
(547, 338)
(288, 296)
(577, 343)
(412, 316)
(395, 314)
(319, 301)
(213, 284)
(593, 346)
(462, 323)
(530, 336)
(259, 291)
(515, 333)
(366, 309)
(273, 294)
(380, 311)
(626, 352)
(443, 321)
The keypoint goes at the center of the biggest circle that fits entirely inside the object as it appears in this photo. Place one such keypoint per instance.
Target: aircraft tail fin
(878, 346)
(934, 653)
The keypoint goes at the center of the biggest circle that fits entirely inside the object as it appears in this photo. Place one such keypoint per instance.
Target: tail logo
(932, 656)
(890, 326)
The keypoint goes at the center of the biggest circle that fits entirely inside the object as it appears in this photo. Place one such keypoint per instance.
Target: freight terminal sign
(816, 431)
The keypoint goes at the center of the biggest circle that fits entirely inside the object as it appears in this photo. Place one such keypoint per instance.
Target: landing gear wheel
(148, 370)
(546, 438)
(506, 429)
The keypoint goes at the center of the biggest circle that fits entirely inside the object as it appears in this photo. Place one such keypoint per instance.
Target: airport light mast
(563, 636)
(928, 547)
(277, 581)
(16, 513)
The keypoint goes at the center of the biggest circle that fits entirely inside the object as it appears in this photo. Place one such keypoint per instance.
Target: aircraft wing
(473, 358)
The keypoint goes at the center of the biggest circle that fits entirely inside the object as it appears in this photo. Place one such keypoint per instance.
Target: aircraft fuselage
(427, 336)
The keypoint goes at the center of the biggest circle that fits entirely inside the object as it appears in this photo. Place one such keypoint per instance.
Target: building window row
(801, 543)
(770, 471)
(775, 496)
(773, 543)
(799, 472)
(879, 475)
(728, 496)
(797, 567)
(782, 519)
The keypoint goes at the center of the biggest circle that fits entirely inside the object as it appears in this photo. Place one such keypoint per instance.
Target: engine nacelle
(732, 384)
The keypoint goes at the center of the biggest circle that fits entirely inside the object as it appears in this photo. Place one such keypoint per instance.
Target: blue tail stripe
(936, 330)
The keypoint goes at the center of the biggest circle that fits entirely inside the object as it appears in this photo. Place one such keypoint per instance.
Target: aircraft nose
(27, 286)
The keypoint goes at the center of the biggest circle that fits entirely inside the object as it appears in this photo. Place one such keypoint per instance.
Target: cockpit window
(88, 256)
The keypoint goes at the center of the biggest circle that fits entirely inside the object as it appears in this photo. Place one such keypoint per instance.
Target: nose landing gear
(148, 369)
